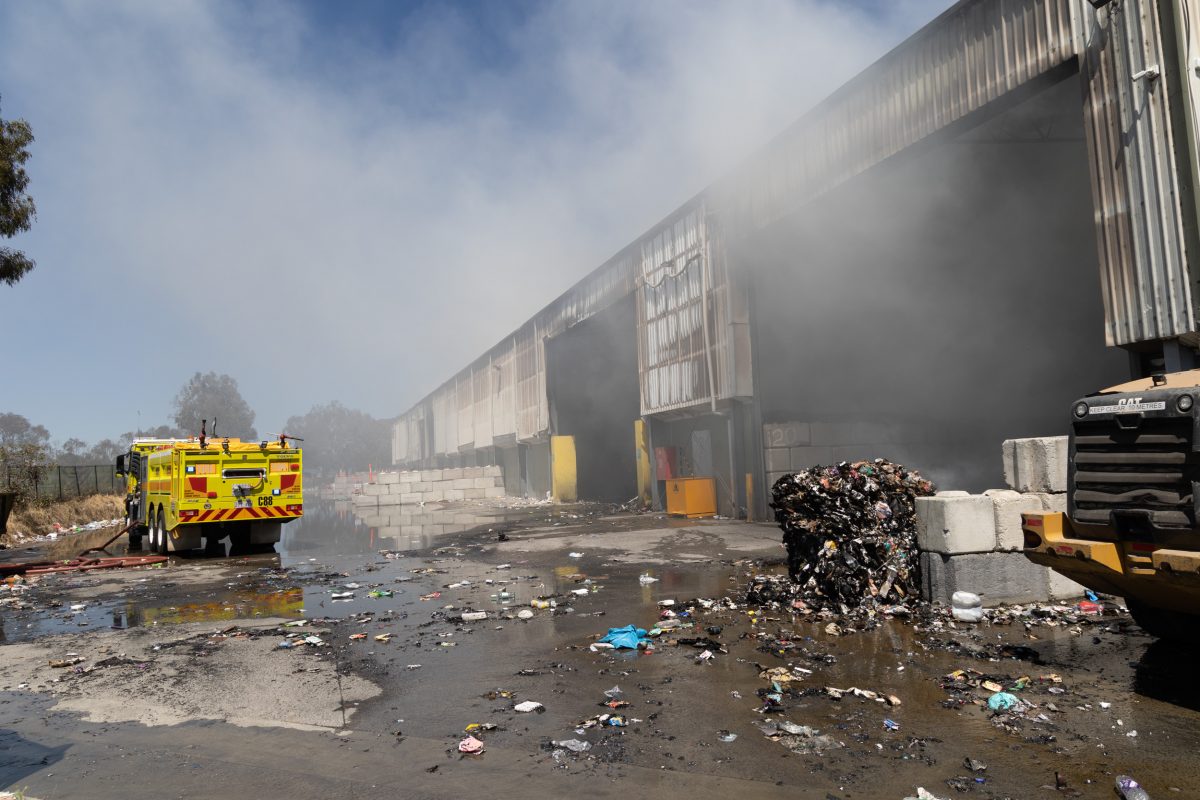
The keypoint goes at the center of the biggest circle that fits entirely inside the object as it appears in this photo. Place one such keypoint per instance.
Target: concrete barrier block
(779, 459)
(956, 524)
(374, 489)
(1063, 588)
(1053, 502)
(453, 494)
(473, 494)
(829, 434)
(493, 471)
(411, 498)
(389, 500)
(495, 491)
(870, 433)
(806, 457)
(484, 483)
(365, 500)
(1008, 506)
(463, 483)
(952, 493)
(1036, 465)
(772, 478)
(472, 472)
(452, 474)
(997, 577)
(434, 495)
(388, 477)
(787, 434)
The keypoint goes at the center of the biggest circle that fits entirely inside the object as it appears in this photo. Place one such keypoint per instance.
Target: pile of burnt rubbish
(851, 537)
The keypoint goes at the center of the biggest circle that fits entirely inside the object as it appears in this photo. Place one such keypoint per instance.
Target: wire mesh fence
(54, 482)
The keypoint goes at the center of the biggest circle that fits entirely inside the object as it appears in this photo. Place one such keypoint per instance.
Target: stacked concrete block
(1036, 465)
(392, 489)
(996, 577)
(973, 543)
(792, 446)
(1008, 505)
(952, 524)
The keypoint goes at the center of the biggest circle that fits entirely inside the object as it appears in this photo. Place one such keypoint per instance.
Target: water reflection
(338, 528)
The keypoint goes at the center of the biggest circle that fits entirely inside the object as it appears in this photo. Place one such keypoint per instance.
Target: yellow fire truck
(194, 492)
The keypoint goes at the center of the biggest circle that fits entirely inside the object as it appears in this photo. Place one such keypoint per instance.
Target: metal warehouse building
(994, 218)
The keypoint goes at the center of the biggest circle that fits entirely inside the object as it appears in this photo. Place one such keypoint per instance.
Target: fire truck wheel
(161, 527)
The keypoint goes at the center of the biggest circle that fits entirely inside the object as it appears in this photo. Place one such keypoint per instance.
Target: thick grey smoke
(952, 298)
(324, 217)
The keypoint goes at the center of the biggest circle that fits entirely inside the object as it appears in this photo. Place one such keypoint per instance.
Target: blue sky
(349, 201)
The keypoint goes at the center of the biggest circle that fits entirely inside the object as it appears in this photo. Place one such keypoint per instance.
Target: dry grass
(33, 521)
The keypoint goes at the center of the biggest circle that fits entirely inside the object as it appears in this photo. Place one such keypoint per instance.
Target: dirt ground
(32, 521)
(181, 685)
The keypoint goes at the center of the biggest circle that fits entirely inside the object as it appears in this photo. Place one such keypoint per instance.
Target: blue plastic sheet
(628, 637)
(1002, 701)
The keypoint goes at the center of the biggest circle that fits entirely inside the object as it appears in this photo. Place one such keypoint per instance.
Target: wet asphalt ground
(183, 688)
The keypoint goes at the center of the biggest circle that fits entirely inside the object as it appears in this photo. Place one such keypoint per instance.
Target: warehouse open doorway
(592, 384)
(935, 306)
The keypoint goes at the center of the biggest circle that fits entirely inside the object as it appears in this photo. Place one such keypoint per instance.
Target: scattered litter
(574, 745)
(384, 637)
(1129, 789)
(470, 745)
(966, 607)
(58, 663)
(525, 613)
(529, 706)
(1002, 701)
(575, 555)
(628, 637)
(646, 580)
(474, 616)
(341, 595)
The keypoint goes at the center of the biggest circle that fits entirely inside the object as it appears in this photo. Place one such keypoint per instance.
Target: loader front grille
(1136, 465)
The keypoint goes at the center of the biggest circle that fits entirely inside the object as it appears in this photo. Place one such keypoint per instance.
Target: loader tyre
(1175, 626)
